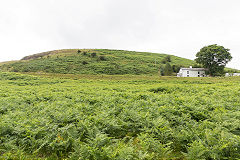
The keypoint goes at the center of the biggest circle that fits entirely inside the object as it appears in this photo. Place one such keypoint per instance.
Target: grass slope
(93, 61)
(126, 117)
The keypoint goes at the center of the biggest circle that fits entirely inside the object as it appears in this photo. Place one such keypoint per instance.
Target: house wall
(189, 73)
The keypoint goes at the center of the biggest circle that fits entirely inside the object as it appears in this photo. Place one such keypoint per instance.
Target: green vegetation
(214, 58)
(118, 117)
(168, 70)
(96, 61)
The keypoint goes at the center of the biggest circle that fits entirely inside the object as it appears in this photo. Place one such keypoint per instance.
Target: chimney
(190, 66)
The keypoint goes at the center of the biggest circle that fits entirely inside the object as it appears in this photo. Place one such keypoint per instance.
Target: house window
(198, 72)
(187, 75)
(187, 72)
(198, 75)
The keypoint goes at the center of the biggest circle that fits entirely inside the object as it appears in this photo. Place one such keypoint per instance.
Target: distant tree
(161, 70)
(84, 62)
(176, 68)
(168, 70)
(168, 58)
(102, 58)
(84, 53)
(79, 51)
(163, 61)
(214, 58)
(93, 54)
(15, 70)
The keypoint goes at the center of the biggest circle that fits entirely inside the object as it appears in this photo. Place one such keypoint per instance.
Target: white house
(191, 72)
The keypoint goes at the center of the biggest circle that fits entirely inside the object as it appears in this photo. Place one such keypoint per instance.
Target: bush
(161, 70)
(93, 54)
(167, 70)
(163, 61)
(102, 58)
(84, 62)
(176, 68)
(168, 58)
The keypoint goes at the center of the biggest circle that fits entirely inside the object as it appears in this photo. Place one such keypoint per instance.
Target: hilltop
(95, 61)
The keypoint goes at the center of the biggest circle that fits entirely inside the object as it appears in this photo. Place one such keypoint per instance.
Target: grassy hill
(95, 61)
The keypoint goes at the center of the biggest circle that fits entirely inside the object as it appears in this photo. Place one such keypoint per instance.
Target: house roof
(194, 69)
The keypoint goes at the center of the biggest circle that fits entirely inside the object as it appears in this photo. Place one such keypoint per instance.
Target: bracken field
(119, 117)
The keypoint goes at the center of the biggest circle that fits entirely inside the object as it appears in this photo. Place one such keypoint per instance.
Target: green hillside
(95, 61)
(116, 117)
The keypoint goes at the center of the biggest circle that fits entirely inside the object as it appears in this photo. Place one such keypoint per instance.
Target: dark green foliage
(93, 54)
(214, 58)
(163, 61)
(176, 68)
(168, 58)
(167, 70)
(79, 51)
(161, 70)
(102, 58)
(84, 62)
(160, 89)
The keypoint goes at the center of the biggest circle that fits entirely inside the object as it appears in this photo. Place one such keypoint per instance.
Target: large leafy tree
(214, 58)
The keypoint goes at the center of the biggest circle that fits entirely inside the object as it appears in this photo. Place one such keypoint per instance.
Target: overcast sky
(177, 27)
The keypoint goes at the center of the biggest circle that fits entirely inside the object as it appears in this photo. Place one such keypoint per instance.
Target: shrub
(163, 61)
(161, 70)
(176, 68)
(15, 70)
(84, 62)
(93, 54)
(167, 70)
(168, 58)
(102, 58)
